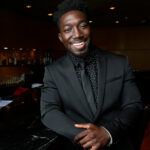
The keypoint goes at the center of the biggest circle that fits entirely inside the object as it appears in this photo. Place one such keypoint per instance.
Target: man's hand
(95, 137)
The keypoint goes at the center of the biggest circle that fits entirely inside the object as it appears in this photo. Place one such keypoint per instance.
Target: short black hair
(69, 5)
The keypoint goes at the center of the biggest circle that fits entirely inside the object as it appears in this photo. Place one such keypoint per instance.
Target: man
(100, 112)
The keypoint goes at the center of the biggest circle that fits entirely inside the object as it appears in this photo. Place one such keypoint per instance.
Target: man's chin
(80, 54)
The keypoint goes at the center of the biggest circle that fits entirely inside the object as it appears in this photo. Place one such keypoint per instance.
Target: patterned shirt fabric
(90, 68)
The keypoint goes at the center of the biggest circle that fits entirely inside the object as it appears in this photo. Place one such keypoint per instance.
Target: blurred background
(29, 42)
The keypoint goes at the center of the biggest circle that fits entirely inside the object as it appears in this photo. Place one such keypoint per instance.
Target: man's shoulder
(57, 63)
(110, 55)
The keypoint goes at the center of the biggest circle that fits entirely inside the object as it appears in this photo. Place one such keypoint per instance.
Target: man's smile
(79, 45)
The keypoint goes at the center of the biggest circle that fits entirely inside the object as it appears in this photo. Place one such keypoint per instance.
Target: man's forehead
(73, 16)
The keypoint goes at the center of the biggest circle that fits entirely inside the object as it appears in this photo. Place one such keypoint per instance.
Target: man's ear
(60, 37)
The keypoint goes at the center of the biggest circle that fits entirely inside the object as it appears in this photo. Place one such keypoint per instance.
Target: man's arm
(52, 114)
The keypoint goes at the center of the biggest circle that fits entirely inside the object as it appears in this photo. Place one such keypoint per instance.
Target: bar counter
(20, 125)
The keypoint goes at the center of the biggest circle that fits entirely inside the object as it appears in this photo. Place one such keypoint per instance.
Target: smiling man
(89, 95)
(75, 32)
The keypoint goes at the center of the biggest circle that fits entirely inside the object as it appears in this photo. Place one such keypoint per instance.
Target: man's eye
(67, 30)
(84, 26)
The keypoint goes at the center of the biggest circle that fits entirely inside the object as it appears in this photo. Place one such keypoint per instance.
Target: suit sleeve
(131, 107)
(52, 114)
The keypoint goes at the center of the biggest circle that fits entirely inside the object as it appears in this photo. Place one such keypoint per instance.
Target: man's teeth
(77, 44)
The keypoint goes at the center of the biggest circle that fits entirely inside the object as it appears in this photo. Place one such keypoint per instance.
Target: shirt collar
(87, 60)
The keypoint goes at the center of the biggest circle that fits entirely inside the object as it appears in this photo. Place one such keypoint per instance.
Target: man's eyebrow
(81, 21)
(84, 20)
(66, 24)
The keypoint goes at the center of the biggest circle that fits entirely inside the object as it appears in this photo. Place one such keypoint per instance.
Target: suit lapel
(76, 88)
(101, 83)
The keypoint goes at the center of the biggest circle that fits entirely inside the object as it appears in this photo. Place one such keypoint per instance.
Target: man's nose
(77, 33)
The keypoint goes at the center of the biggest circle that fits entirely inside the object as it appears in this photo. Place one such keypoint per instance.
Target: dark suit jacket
(63, 102)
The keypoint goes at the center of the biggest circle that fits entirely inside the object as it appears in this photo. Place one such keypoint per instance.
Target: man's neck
(83, 56)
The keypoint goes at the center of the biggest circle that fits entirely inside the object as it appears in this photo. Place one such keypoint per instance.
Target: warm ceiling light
(34, 49)
(117, 21)
(112, 7)
(20, 49)
(28, 6)
(5, 48)
(90, 21)
(50, 14)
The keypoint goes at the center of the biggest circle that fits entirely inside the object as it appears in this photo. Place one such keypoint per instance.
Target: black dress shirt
(90, 67)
